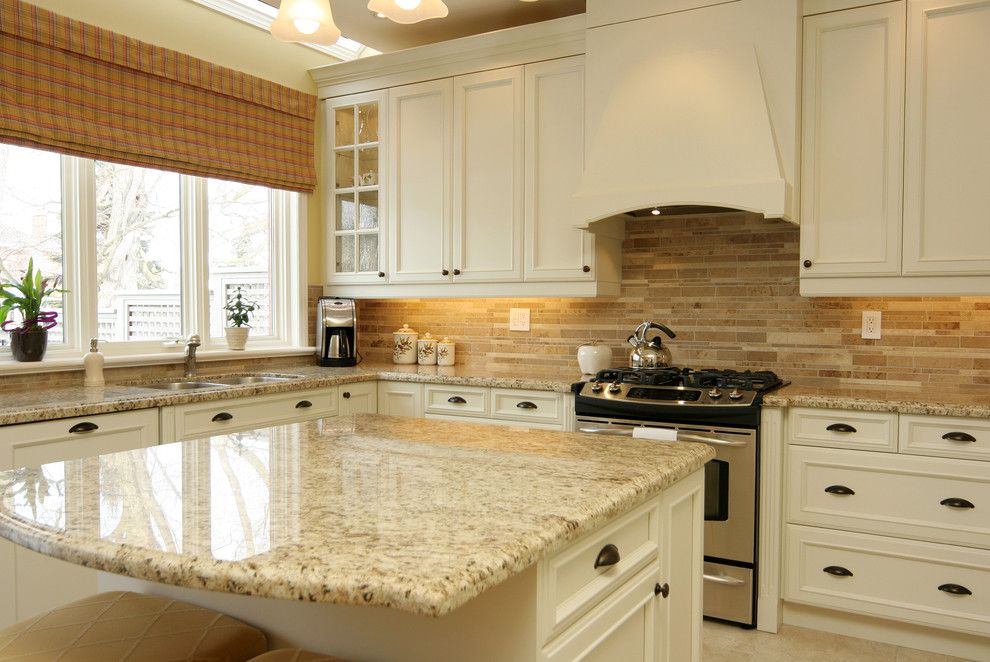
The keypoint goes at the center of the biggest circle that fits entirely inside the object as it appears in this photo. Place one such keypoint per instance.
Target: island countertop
(417, 515)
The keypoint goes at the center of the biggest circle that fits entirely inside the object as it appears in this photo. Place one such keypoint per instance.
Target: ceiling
(466, 17)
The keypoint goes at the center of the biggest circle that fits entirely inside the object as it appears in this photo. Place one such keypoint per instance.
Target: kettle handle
(660, 327)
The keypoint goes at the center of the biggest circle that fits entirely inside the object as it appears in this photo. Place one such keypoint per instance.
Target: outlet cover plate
(518, 319)
(871, 325)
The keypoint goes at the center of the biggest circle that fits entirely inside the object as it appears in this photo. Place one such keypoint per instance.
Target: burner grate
(746, 380)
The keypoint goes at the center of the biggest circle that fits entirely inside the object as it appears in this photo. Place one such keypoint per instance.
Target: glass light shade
(420, 11)
(306, 21)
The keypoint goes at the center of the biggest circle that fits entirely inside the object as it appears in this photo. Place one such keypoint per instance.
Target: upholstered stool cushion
(295, 655)
(132, 627)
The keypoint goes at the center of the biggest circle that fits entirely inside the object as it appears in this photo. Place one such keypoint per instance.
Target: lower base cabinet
(33, 583)
(400, 399)
(358, 398)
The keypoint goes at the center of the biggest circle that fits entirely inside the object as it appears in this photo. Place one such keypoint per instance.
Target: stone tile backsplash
(728, 286)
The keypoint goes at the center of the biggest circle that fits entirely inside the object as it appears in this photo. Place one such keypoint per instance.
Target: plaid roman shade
(78, 89)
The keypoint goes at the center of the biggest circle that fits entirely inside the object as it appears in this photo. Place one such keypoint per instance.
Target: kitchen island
(375, 537)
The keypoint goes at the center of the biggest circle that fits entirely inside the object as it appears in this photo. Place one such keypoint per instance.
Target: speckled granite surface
(828, 394)
(405, 513)
(23, 406)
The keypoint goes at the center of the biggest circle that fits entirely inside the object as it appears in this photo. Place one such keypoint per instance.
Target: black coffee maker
(336, 332)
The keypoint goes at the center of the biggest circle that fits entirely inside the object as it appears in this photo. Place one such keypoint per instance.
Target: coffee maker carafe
(336, 332)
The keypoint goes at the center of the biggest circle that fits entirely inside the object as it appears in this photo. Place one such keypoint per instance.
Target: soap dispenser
(93, 362)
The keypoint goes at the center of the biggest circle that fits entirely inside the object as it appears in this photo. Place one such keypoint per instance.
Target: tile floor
(727, 643)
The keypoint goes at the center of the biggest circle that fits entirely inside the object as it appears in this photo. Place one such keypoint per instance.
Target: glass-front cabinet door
(355, 192)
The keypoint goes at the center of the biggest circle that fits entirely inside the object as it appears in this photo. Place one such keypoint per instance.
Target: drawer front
(204, 419)
(840, 428)
(925, 498)
(890, 578)
(456, 400)
(535, 406)
(942, 436)
(572, 584)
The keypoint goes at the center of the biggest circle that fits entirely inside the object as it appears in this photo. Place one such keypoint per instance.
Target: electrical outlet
(518, 319)
(871, 324)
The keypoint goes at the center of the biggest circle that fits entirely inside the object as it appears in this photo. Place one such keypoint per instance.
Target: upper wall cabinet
(892, 207)
(355, 192)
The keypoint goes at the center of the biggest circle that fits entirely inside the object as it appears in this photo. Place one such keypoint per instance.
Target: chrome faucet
(190, 355)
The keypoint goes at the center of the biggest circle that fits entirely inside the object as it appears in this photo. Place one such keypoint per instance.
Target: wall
(190, 28)
(728, 286)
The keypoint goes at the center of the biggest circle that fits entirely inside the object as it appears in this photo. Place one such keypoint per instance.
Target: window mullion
(195, 294)
(79, 240)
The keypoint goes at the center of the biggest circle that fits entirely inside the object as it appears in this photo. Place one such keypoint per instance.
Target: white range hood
(695, 107)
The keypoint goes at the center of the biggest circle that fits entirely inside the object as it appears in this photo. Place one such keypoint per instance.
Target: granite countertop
(30, 405)
(394, 512)
(831, 394)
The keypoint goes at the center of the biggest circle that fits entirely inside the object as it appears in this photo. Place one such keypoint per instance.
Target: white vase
(237, 336)
(593, 358)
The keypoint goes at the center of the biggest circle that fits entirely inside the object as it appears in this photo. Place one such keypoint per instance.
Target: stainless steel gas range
(716, 407)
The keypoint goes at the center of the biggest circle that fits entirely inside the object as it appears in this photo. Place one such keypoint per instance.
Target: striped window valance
(79, 89)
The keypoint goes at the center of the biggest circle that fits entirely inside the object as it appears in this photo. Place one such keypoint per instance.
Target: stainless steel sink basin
(182, 386)
(239, 380)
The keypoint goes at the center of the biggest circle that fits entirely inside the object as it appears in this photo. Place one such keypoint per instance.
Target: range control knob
(715, 393)
(614, 387)
(597, 387)
(734, 394)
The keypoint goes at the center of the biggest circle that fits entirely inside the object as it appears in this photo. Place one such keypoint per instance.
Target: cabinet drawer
(457, 400)
(890, 578)
(572, 584)
(217, 417)
(945, 437)
(535, 406)
(839, 428)
(925, 498)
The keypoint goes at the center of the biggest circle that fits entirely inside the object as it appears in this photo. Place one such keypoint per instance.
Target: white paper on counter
(656, 434)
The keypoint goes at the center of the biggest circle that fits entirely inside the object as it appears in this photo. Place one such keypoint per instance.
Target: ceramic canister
(445, 351)
(427, 350)
(404, 345)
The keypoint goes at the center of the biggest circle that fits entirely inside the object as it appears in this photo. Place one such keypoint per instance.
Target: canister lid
(427, 336)
(405, 329)
(446, 340)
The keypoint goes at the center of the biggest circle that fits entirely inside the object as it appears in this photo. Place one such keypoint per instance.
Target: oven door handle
(628, 432)
(725, 580)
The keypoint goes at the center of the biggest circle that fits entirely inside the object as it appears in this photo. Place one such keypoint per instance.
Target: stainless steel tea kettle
(649, 353)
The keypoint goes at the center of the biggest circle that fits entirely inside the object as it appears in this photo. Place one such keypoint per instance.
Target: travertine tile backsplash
(728, 286)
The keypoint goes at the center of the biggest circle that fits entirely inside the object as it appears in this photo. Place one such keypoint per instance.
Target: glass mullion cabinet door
(355, 218)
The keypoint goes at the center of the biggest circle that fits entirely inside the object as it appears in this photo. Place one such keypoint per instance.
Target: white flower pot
(237, 336)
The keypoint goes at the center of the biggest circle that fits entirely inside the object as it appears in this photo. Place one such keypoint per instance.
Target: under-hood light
(655, 211)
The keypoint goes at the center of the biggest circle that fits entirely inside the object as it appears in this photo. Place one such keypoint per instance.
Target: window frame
(287, 265)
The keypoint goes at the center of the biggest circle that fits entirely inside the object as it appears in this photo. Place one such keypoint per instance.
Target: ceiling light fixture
(305, 21)
(409, 11)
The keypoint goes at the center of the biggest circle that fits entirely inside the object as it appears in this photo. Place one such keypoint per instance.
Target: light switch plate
(518, 319)
(871, 324)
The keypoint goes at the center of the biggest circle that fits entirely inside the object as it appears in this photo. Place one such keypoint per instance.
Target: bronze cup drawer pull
(955, 589)
(304, 404)
(956, 502)
(85, 426)
(526, 404)
(959, 436)
(222, 416)
(609, 555)
(837, 571)
(840, 489)
(456, 400)
(844, 428)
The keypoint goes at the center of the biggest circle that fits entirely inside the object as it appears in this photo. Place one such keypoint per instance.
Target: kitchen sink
(240, 380)
(182, 386)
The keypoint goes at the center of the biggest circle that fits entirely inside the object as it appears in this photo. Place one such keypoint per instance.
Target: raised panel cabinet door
(358, 398)
(419, 182)
(852, 143)
(947, 138)
(32, 582)
(488, 176)
(555, 249)
(400, 399)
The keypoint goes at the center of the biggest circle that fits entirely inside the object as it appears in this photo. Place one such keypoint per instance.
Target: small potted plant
(29, 337)
(239, 311)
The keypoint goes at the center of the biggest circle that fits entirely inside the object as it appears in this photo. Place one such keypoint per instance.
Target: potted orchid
(29, 337)
(239, 311)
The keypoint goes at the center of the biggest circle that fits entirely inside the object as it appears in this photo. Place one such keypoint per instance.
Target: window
(148, 255)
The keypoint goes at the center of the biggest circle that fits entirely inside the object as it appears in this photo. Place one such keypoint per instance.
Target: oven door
(730, 482)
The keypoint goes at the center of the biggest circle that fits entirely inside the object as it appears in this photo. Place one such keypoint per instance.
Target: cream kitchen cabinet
(358, 398)
(889, 205)
(400, 399)
(33, 583)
